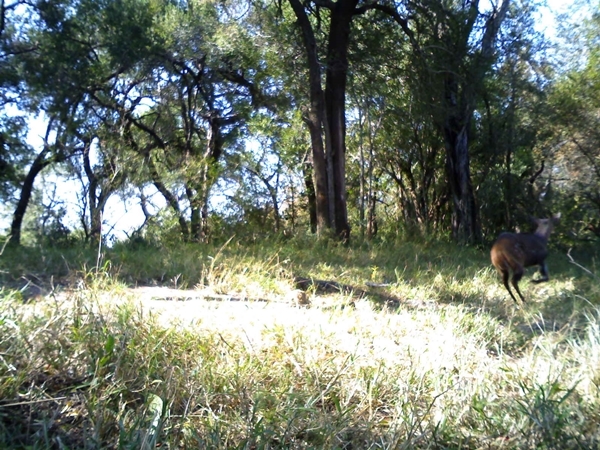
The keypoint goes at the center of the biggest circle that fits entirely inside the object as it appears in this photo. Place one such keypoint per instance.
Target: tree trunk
(342, 13)
(465, 222)
(326, 116)
(276, 213)
(310, 192)
(37, 166)
(96, 201)
(96, 216)
(315, 119)
(460, 103)
(169, 197)
(362, 178)
(212, 153)
(198, 198)
(508, 189)
(372, 225)
(196, 222)
(319, 172)
(458, 107)
(509, 199)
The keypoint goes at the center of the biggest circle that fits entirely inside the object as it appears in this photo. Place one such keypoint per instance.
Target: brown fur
(512, 252)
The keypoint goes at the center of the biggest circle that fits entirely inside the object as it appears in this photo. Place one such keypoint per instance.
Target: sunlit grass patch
(454, 363)
(231, 373)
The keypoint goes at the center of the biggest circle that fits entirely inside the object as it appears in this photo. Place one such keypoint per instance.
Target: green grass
(454, 363)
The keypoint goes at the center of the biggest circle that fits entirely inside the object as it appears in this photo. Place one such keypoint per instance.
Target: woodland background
(352, 118)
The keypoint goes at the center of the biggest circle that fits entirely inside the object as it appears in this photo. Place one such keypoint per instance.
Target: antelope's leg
(543, 273)
(517, 275)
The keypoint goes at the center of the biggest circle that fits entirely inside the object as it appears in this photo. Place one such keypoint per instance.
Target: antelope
(512, 252)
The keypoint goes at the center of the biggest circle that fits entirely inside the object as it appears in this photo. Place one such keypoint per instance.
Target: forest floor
(419, 347)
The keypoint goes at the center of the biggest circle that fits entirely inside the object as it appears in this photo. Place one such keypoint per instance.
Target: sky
(122, 217)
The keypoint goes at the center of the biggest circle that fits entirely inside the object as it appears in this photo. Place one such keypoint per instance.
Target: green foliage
(550, 415)
(206, 101)
(576, 103)
(15, 155)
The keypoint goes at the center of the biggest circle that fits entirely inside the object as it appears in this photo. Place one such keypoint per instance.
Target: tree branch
(324, 3)
(537, 174)
(394, 14)
(491, 29)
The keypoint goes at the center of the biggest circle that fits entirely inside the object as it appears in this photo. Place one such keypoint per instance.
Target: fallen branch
(333, 287)
(572, 261)
(33, 402)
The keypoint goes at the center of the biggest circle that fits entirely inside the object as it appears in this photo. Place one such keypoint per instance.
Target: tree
(326, 118)
(161, 95)
(452, 51)
(510, 148)
(101, 171)
(405, 146)
(575, 128)
(71, 52)
(184, 111)
(15, 154)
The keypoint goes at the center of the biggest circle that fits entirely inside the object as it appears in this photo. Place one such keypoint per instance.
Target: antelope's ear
(556, 218)
(534, 220)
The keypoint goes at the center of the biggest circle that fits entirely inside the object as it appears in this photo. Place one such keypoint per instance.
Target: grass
(454, 363)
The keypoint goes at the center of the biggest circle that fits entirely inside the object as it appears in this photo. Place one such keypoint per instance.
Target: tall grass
(453, 364)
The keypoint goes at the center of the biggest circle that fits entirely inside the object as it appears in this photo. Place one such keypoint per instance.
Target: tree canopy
(342, 118)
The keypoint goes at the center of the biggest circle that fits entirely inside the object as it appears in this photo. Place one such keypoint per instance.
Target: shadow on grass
(408, 272)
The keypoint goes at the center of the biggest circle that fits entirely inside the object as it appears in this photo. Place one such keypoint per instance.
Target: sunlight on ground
(427, 341)
(456, 353)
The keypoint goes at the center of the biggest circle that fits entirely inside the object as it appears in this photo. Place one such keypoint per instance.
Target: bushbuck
(512, 252)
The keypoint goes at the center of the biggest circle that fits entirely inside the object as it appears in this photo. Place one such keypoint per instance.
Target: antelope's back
(507, 252)
(534, 249)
